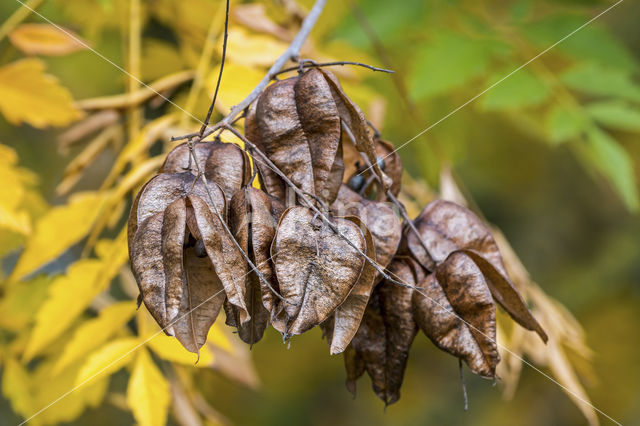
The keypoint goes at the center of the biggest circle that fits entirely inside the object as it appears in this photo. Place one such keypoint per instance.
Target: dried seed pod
(382, 343)
(379, 218)
(456, 311)
(446, 227)
(303, 124)
(354, 122)
(282, 134)
(347, 316)
(182, 291)
(356, 167)
(253, 219)
(315, 267)
(269, 180)
(223, 163)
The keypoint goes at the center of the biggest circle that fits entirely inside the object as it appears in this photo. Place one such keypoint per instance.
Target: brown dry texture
(165, 188)
(173, 238)
(253, 229)
(228, 262)
(223, 163)
(354, 366)
(282, 134)
(269, 180)
(320, 122)
(179, 158)
(265, 215)
(148, 266)
(229, 167)
(336, 175)
(204, 295)
(379, 218)
(383, 341)
(315, 267)
(446, 227)
(400, 325)
(354, 119)
(132, 221)
(348, 315)
(455, 310)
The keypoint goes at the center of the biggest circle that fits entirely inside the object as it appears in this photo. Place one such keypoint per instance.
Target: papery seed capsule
(200, 249)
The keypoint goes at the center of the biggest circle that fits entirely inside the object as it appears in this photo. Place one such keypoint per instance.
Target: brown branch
(224, 55)
(311, 64)
(291, 53)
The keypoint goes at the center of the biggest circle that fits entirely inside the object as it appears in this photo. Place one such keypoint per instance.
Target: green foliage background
(551, 156)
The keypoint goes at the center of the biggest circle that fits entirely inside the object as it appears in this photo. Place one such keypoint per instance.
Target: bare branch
(311, 64)
(291, 53)
(224, 55)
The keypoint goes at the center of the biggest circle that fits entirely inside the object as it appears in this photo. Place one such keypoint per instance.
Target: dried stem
(224, 55)
(311, 64)
(291, 53)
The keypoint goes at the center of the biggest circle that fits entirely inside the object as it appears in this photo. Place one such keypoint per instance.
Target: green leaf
(605, 154)
(563, 124)
(602, 81)
(447, 63)
(522, 89)
(591, 43)
(615, 114)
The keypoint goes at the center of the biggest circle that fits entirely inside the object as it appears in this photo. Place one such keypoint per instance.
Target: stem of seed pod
(464, 385)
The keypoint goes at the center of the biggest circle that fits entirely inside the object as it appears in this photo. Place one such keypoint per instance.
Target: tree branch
(311, 64)
(292, 52)
(224, 55)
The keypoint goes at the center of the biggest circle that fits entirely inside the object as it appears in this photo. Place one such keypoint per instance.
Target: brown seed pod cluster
(319, 245)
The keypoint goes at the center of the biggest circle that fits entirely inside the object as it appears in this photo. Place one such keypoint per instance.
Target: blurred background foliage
(550, 155)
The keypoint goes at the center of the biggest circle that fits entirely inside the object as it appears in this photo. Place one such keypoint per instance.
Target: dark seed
(199, 249)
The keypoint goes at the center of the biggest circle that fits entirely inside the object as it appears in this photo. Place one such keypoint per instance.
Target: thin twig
(292, 52)
(224, 55)
(309, 64)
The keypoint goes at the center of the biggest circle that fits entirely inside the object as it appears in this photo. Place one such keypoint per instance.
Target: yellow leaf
(29, 95)
(148, 393)
(58, 230)
(253, 50)
(45, 39)
(167, 347)
(238, 81)
(59, 387)
(93, 333)
(108, 359)
(15, 387)
(20, 302)
(70, 294)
